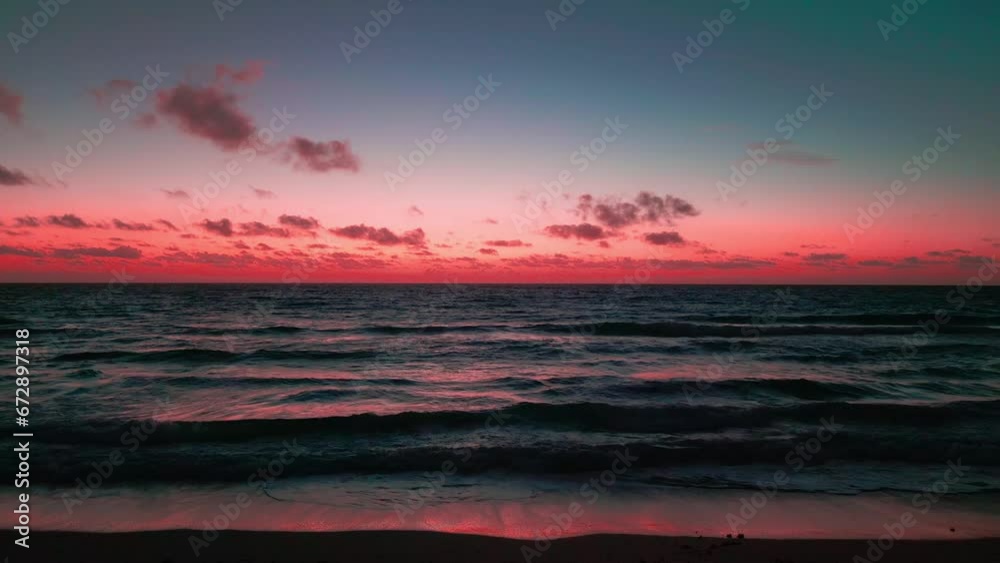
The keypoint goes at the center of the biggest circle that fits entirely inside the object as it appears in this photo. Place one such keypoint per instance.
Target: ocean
(493, 408)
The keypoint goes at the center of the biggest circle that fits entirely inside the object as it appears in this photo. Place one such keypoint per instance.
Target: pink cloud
(10, 105)
(318, 156)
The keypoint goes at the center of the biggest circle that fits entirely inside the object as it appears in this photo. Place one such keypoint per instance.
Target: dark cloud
(506, 243)
(258, 229)
(665, 238)
(27, 221)
(318, 156)
(263, 194)
(67, 220)
(825, 257)
(126, 252)
(122, 225)
(947, 253)
(146, 120)
(18, 251)
(875, 263)
(223, 227)
(969, 261)
(790, 254)
(176, 194)
(250, 73)
(382, 236)
(10, 105)
(489, 251)
(415, 211)
(298, 221)
(615, 213)
(793, 156)
(112, 88)
(584, 231)
(209, 113)
(14, 177)
(170, 226)
(491, 221)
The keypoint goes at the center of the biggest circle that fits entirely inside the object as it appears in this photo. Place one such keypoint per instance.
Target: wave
(199, 355)
(694, 330)
(911, 319)
(651, 458)
(577, 417)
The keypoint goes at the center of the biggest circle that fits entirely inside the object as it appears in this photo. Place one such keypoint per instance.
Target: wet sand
(426, 547)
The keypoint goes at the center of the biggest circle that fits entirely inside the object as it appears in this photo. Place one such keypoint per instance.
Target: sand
(426, 547)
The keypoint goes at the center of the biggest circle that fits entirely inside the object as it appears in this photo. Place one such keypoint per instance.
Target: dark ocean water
(710, 387)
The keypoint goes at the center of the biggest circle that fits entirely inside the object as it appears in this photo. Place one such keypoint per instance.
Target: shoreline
(175, 546)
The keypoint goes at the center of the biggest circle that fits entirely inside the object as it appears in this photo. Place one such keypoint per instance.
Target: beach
(428, 547)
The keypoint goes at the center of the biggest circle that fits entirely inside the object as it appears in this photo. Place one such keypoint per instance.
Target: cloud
(258, 229)
(250, 73)
(318, 156)
(583, 231)
(176, 194)
(14, 177)
(67, 220)
(170, 226)
(825, 257)
(969, 261)
(665, 238)
(298, 221)
(875, 263)
(146, 120)
(208, 113)
(223, 227)
(489, 251)
(10, 105)
(126, 252)
(507, 243)
(112, 88)
(914, 261)
(790, 254)
(947, 253)
(27, 221)
(18, 251)
(491, 221)
(796, 157)
(415, 211)
(615, 213)
(122, 225)
(382, 236)
(263, 194)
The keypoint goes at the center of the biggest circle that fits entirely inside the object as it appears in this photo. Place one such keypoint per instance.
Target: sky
(723, 141)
